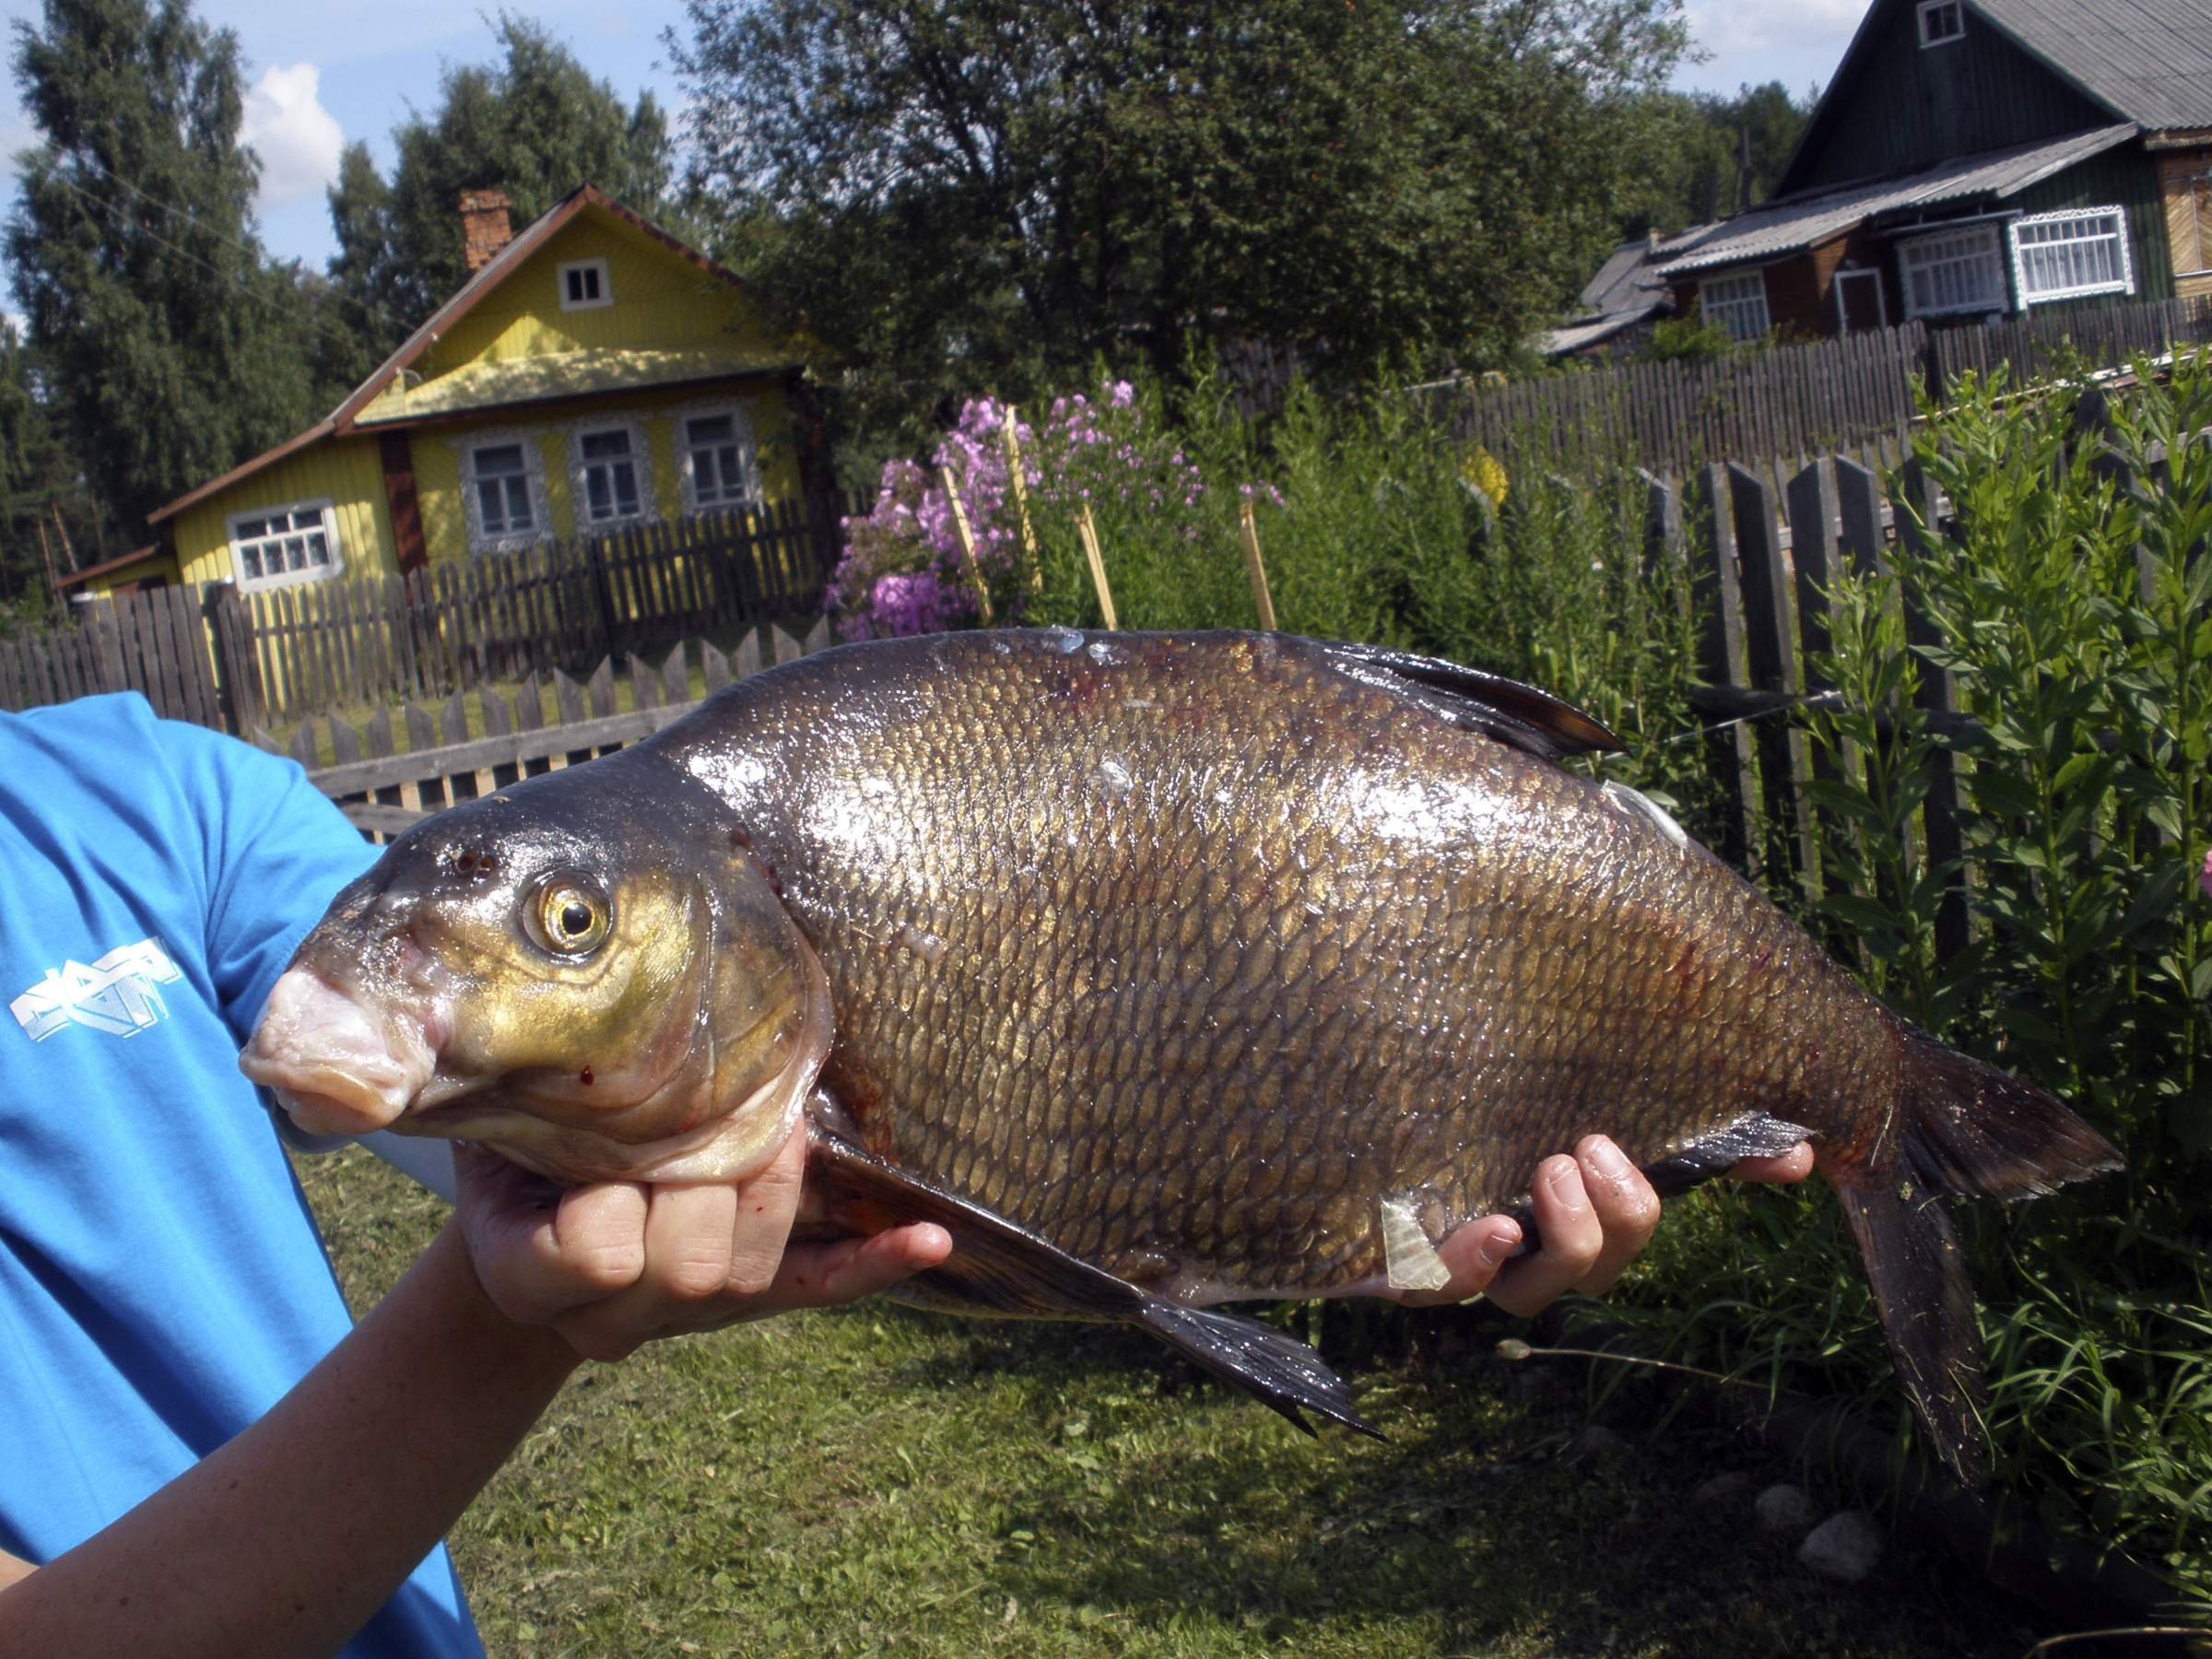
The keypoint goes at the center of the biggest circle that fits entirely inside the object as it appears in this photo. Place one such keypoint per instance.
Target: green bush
(2068, 603)
(2069, 606)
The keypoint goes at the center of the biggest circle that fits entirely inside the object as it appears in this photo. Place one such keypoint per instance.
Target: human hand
(615, 1264)
(1595, 1212)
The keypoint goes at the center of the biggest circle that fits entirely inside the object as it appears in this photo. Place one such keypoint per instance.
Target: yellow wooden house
(593, 374)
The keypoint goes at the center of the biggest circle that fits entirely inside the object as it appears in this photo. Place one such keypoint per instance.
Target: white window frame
(748, 453)
(1853, 274)
(322, 505)
(641, 460)
(1985, 235)
(1933, 11)
(1715, 305)
(2117, 234)
(533, 471)
(606, 286)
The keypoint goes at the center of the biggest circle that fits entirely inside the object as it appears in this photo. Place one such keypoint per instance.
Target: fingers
(1794, 1165)
(1473, 1256)
(1595, 1212)
(766, 1207)
(816, 1276)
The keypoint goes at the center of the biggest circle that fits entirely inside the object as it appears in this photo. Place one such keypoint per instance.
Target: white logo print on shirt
(116, 994)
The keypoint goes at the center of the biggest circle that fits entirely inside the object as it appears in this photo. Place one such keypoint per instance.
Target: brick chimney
(484, 227)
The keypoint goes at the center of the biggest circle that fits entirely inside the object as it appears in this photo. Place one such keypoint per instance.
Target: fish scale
(1393, 1003)
(1160, 970)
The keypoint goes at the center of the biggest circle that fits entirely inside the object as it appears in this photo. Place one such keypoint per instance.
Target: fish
(1165, 970)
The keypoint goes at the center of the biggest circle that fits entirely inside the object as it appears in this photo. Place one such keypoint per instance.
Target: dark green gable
(2122, 178)
(1908, 107)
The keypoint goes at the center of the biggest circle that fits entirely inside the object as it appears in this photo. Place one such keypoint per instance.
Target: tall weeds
(2069, 599)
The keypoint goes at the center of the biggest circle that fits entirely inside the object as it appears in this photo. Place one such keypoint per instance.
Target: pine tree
(173, 347)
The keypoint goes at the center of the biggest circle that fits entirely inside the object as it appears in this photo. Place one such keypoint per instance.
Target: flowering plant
(904, 570)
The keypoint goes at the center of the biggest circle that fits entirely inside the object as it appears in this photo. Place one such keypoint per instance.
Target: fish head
(596, 980)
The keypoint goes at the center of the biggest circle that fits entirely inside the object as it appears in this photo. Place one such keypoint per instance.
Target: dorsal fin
(1512, 712)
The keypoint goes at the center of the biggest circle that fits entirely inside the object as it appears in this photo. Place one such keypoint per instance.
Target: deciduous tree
(968, 191)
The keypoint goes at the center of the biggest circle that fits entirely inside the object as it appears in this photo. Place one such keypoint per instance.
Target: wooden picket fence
(404, 763)
(2102, 336)
(154, 642)
(1824, 394)
(491, 618)
(1787, 400)
(238, 662)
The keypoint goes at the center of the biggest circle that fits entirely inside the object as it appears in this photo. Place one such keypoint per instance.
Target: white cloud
(1730, 28)
(297, 139)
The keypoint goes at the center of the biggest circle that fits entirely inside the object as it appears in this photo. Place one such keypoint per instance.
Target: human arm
(1595, 1212)
(289, 1537)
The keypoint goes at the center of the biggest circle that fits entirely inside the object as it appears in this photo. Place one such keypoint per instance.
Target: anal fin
(998, 1268)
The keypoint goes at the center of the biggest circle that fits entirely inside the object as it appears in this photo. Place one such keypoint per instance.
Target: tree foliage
(535, 124)
(1688, 152)
(173, 347)
(49, 524)
(965, 193)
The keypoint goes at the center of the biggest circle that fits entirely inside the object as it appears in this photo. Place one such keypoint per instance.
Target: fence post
(1770, 651)
(1915, 514)
(603, 597)
(237, 677)
(1716, 593)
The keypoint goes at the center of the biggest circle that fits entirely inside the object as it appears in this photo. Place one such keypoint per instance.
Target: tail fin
(1966, 1129)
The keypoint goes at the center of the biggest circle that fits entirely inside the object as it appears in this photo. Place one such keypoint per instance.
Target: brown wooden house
(1975, 158)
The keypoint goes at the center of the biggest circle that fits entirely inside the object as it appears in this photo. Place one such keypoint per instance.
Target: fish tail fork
(1964, 1129)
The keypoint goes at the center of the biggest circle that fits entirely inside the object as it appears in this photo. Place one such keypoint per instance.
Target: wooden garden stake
(1089, 533)
(1021, 505)
(959, 523)
(1255, 568)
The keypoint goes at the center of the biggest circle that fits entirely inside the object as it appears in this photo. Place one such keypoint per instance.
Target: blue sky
(324, 73)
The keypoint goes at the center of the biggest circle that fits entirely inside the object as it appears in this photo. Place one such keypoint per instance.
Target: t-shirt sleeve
(277, 851)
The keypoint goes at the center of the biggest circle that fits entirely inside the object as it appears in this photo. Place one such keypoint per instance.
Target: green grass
(873, 1480)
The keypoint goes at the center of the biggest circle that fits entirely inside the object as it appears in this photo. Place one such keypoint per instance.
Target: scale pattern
(1187, 951)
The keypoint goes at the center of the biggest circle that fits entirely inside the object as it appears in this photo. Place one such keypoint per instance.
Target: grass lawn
(873, 1480)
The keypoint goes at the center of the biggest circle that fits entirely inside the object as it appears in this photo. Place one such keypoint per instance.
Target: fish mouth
(336, 1065)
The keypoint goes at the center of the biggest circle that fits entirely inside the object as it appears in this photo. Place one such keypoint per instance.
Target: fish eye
(569, 918)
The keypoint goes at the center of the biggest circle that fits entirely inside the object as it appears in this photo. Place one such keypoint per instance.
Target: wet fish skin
(1188, 953)
(1163, 969)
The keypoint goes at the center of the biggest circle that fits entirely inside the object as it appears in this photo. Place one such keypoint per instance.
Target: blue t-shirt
(161, 1281)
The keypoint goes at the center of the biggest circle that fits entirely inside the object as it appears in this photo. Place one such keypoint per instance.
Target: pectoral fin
(999, 1268)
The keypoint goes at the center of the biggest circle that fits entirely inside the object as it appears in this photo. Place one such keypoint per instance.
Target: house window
(279, 546)
(1941, 21)
(717, 459)
(584, 286)
(1955, 271)
(2065, 255)
(610, 469)
(503, 502)
(1736, 303)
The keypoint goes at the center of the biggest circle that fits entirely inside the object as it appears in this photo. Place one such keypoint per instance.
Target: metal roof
(1574, 336)
(2148, 61)
(1786, 225)
(1623, 282)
